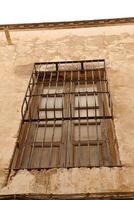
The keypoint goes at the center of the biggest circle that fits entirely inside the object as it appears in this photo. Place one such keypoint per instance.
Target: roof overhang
(69, 24)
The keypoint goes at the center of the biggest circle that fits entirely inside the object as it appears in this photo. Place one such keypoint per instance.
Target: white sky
(26, 11)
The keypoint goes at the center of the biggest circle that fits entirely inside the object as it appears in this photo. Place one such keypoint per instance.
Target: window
(67, 118)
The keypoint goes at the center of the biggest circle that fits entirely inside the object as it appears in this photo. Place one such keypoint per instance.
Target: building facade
(18, 53)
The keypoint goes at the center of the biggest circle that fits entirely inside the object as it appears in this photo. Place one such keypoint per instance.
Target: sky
(30, 11)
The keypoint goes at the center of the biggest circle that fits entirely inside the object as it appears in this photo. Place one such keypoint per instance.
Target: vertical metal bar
(56, 84)
(45, 128)
(67, 114)
(70, 94)
(70, 107)
(62, 146)
(88, 135)
(51, 149)
(79, 142)
(96, 124)
(56, 67)
(82, 67)
(63, 96)
(49, 85)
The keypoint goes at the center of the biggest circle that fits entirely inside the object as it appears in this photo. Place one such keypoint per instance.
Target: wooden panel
(45, 158)
(81, 156)
(48, 134)
(87, 132)
(84, 101)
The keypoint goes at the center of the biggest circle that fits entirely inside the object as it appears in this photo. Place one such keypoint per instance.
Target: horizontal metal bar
(74, 122)
(50, 125)
(64, 93)
(76, 108)
(57, 144)
(45, 144)
(88, 142)
(87, 123)
(73, 61)
(67, 118)
(102, 69)
(60, 81)
(50, 109)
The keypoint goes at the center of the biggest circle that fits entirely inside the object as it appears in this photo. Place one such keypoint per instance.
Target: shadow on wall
(23, 70)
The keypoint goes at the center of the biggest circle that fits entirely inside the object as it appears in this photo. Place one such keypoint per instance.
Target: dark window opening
(67, 118)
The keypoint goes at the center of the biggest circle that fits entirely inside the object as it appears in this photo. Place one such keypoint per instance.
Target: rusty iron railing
(67, 118)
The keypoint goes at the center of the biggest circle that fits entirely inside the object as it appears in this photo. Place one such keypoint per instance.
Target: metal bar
(46, 144)
(48, 93)
(79, 144)
(88, 135)
(76, 108)
(57, 67)
(74, 80)
(90, 142)
(44, 133)
(68, 70)
(75, 93)
(66, 122)
(68, 118)
(62, 148)
(82, 67)
(98, 147)
(51, 149)
(69, 139)
(66, 62)
(73, 69)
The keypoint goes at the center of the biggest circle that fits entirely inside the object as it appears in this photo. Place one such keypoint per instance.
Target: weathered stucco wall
(116, 45)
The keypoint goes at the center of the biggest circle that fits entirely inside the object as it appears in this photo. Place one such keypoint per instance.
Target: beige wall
(114, 44)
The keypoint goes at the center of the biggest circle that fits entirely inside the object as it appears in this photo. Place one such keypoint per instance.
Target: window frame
(65, 144)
